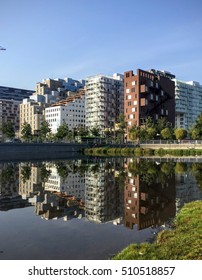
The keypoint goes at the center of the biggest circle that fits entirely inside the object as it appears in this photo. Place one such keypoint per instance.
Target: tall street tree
(45, 129)
(62, 131)
(196, 132)
(95, 131)
(120, 128)
(180, 133)
(8, 130)
(167, 133)
(26, 131)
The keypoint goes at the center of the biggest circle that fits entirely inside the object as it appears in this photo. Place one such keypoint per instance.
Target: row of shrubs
(104, 151)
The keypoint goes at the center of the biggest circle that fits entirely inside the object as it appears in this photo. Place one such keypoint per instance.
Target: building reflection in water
(104, 193)
(52, 195)
(122, 191)
(149, 194)
(9, 192)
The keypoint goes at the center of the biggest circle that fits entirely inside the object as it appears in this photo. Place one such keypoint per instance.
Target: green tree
(26, 131)
(8, 130)
(199, 122)
(180, 133)
(167, 168)
(150, 133)
(196, 132)
(62, 131)
(45, 173)
(73, 133)
(108, 133)
(149, 122)
(95, 131)
(167, 133)
(62, 170)
(25, 172)
(180, 167)
(161, 124)
(82, 131)
(196, 170)
(45, 129)
(7, 174)
(122, 124)
(135, 132)
(120, 128)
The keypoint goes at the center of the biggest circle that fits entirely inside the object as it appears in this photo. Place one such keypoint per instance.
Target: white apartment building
(104, 100)
(73, 184)
(188, 103)
(103, 195)
(70, 111)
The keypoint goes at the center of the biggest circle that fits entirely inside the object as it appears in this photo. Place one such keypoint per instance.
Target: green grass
(184, 242)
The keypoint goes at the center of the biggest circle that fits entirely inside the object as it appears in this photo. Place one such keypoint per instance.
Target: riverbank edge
(182, 242)
(139, 151)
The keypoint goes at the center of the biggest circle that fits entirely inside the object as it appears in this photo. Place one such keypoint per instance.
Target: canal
(89, 208)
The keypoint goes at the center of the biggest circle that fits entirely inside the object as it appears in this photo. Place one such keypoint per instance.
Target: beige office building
(32, 112)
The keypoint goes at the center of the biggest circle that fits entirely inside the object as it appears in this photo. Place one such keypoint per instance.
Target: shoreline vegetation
(138, 151)
(182, 242)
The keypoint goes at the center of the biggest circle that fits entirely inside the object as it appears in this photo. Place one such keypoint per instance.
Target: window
(133, 83)
(127, 75)
(135, 102)
(129, 96)
(133, 90)
(127, 90)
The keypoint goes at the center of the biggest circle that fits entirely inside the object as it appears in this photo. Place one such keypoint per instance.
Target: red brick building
(148, 93)
(148, 204)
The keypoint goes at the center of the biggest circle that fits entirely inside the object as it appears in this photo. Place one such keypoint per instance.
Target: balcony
(143, 102)
(143, 210)
(143, 89)
(150, 83)
(144, 196)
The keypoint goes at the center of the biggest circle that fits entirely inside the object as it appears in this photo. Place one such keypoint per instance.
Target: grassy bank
(108, 151)
(183, 242)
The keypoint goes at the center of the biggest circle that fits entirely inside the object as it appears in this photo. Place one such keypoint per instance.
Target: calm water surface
(89, 209)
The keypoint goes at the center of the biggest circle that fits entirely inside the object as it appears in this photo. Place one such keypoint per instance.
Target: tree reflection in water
(127, 191)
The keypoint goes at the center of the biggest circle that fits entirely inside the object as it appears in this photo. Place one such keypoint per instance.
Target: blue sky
(80, 38)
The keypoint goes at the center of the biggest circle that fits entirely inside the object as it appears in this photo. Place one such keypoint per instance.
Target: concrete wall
(28, 151)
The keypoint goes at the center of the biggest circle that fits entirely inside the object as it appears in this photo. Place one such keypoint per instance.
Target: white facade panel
(188, 103)
(104, 100)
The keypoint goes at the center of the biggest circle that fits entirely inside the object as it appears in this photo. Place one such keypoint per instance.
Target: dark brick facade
(148, 93)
